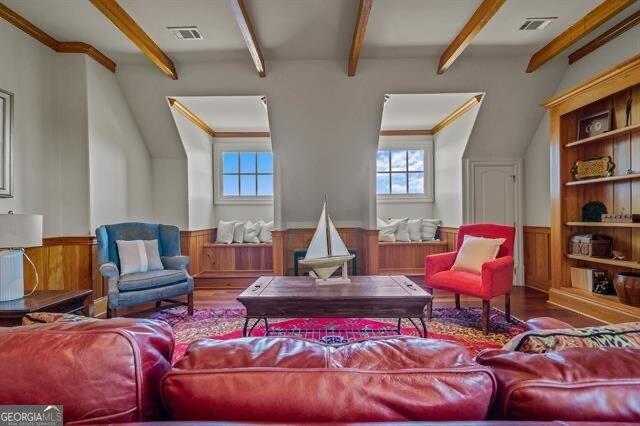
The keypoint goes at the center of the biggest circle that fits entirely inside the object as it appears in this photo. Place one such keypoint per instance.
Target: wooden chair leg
(112, 312)
(485, 316)
(190, 303)
(507, 306)
(457, 296)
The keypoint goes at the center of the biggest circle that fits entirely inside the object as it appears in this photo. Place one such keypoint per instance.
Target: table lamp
(17, 232)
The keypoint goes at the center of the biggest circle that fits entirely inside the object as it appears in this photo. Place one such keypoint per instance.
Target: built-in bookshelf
(620, 192)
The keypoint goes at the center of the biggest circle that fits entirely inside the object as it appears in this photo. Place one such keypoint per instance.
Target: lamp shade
(20, 230)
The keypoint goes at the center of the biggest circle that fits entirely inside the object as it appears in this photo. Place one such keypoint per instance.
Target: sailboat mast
(326, 225)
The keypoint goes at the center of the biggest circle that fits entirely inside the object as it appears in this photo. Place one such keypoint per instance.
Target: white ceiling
(229, 113)
(420, 111)
(307, 29)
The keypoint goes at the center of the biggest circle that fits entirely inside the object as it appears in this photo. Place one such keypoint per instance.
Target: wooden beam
(87, 49)
(456, 114)
(243, 135)
(191, 116)
(480, 18)
(59, 46)
(364, 9)
(243, 18)
(592, 20)
(405, 132)
(130, 28)
(605, 37)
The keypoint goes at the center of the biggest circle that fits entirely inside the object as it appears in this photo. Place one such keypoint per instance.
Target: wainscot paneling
(537, 257)
(192, 244)
(407, 258)
(449, 235)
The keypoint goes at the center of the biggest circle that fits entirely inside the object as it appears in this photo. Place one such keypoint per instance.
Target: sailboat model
(327, 253)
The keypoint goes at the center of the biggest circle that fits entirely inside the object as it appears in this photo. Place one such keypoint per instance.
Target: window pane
(416, 183)
(416, 160)
(230, 185)
(382, 161)
(398, 160)
(265, 185)
(247, 162)
(265, 162)
(398, 183)
(382, 183)
(230, 162)
(248, 185)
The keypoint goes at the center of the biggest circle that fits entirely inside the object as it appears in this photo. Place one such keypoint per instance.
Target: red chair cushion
(458, 282)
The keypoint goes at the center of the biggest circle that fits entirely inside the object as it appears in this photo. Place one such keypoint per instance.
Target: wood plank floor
(526, 303)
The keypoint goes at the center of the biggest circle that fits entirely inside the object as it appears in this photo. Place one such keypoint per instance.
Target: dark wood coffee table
(366, 297)
(58, 301)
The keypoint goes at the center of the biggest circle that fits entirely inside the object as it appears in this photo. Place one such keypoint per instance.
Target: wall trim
(66, 240)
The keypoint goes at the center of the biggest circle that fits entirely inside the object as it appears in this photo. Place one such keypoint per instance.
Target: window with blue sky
(400, 171)
(247, 174)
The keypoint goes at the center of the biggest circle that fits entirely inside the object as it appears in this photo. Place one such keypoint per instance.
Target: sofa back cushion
(579, 384)
(294, 380)
(100, 371)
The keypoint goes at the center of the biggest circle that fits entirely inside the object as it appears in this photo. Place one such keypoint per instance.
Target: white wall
(325, 125)
(537, 184)
(119, 163)
(170, 201)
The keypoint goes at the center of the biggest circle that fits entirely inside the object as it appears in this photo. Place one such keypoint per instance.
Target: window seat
(234, 265)
(407, 258)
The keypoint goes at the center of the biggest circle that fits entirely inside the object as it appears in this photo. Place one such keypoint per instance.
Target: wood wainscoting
(537, 257)
(192, 244)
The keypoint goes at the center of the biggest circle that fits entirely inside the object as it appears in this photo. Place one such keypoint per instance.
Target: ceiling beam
(480, 18)
(243, 134)
(243, 19)
(175, 104)
(364, 9)
(406, 132)
(456, 114)
(605, 37)
(130, 28)
(592, 20)
(59, 46)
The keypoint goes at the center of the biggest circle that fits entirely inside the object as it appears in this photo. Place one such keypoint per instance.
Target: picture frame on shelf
(594, 125)
(6, 144)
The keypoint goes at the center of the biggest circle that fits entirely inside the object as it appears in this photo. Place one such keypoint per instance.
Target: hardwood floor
(526, 303)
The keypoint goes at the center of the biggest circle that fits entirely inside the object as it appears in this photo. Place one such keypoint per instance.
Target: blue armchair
(143, 287)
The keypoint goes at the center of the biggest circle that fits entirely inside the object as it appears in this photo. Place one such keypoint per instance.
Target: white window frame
(427, 146)
(221, 147)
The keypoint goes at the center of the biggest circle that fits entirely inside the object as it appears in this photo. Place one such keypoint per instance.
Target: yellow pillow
(475, 251)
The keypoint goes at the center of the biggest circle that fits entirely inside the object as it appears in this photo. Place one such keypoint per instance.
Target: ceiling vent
(536, 23)
(186, 33)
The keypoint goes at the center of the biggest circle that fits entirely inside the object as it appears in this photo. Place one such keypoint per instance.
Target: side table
(57, 301)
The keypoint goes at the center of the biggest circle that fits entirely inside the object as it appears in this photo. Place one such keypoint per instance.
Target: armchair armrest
(497, 277)
(109, 270)
(437, 263)
(176, 262)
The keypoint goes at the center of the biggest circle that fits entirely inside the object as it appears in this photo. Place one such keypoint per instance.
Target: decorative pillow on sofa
(429, 228)
(475, 251)
(224, 233)
(402, 233)
(387, 231)
(265, 231)
(625, 335)
(153, 255)
(238, 232)
(415, 232)
(251, 232)
(138, 256)
(46, 317)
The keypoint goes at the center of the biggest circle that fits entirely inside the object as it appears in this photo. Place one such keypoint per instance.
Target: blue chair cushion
(151, 279)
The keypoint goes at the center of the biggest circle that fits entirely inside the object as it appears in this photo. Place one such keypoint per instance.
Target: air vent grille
(186, 33)
(532, 24)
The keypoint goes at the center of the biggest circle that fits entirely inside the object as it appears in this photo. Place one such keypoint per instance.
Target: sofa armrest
(176, 262)
(547, 323)
(497, 277)
(437, 263)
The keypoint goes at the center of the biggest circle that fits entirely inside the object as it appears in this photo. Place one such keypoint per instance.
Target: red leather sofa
(119, 371)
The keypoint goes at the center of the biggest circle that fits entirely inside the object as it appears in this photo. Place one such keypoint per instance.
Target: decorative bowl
(628, 288)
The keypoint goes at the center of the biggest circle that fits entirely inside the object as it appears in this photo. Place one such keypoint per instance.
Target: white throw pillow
(153, 255)
(387, 231)
(428, 229)
(224, 233)
(415, 229)
(475, 251)
(133, 257)
(402, 233)
(251, 232)
(238, 232)
(265, 232)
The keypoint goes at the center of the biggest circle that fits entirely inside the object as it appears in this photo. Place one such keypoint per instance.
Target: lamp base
(11, 275)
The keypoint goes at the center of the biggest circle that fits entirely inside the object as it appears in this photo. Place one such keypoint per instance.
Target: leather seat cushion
(150, 279)
(578, 384)
(295, 380)
(458, 282)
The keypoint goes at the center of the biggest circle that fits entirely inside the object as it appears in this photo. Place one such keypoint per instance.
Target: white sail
(337, 245)
(318, 247)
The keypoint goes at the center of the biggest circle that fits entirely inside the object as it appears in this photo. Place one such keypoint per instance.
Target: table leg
(424, 327)
(266, 327)
(399, 326)
(244, 329)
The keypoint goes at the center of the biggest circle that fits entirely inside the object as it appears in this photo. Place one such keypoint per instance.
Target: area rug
(457, 325)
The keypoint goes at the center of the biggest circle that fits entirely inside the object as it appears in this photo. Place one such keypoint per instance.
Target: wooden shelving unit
(608, 91)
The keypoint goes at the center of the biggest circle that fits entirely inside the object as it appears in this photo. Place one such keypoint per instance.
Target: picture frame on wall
(594, 125)
(6, 144)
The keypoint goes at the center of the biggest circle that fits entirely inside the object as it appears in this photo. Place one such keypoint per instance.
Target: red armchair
(496, 278)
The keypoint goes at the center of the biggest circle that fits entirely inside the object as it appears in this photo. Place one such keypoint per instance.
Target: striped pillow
(138, 256)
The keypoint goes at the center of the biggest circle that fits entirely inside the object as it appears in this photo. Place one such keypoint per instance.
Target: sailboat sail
(318, 247)
(337, 245)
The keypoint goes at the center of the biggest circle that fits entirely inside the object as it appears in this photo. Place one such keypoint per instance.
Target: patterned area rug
(457, 325)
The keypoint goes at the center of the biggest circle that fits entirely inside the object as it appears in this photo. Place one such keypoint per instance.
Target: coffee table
(366, 297)
(60, 301)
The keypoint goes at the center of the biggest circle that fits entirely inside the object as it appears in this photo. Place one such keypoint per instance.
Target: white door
(495, 200)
